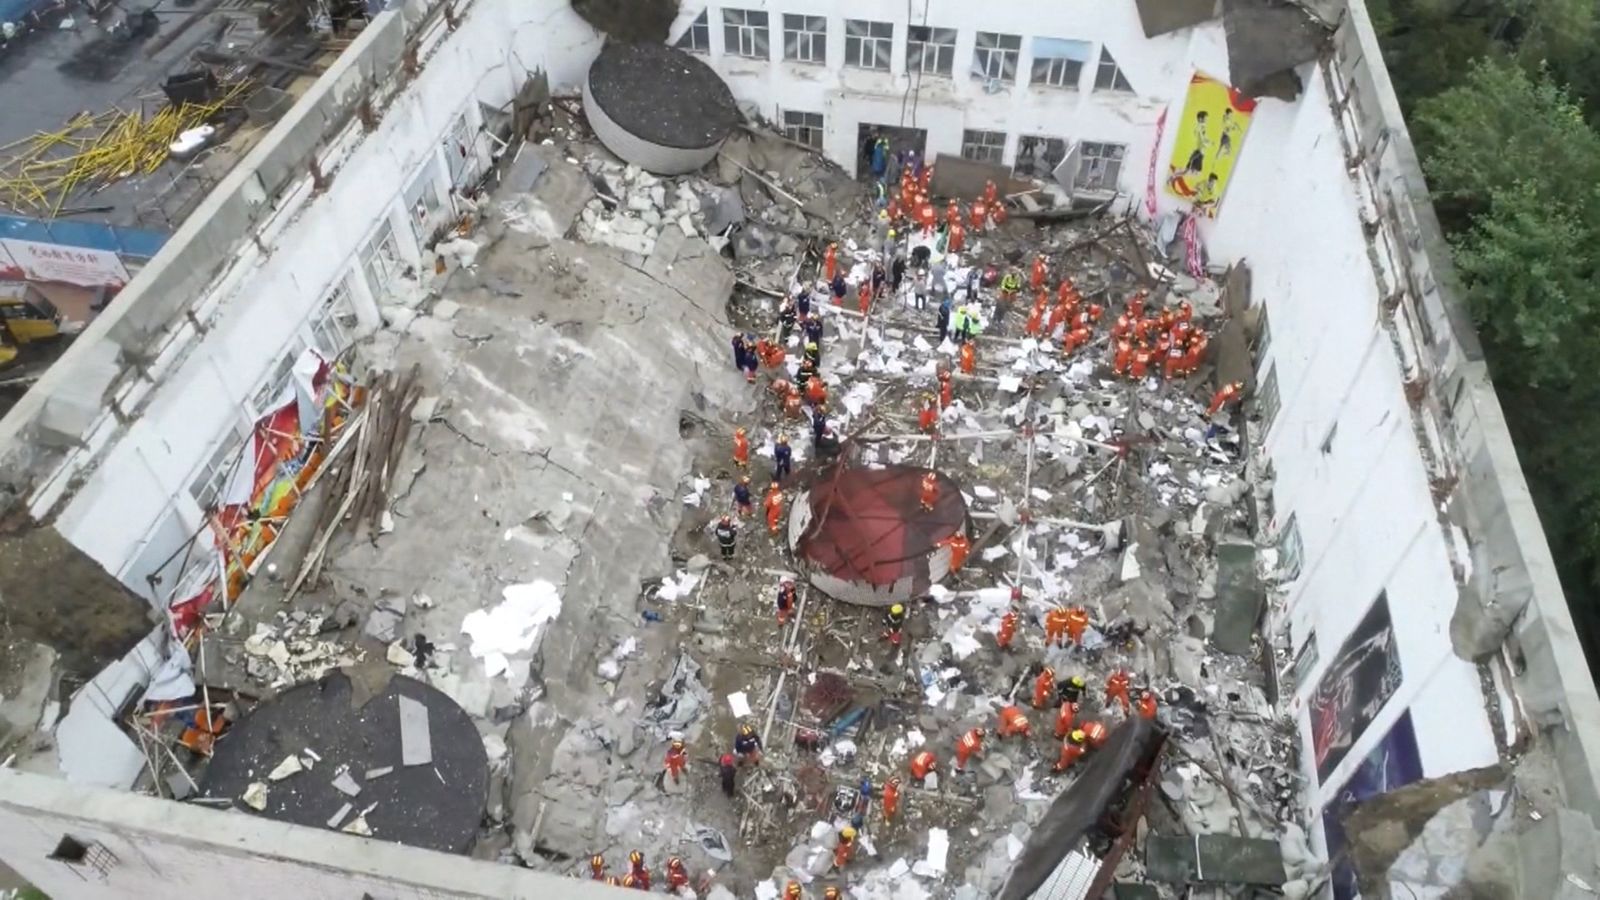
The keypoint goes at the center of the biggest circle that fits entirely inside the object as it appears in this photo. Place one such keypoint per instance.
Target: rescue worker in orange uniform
(774, 506)
(978, 215)
(1227, 394)
(925, 180)
(677, 875)
(816, 392)
(1036, 276)
(830, 262)
(1007, 632)
(1174, 363)
(990, 192)
(1147, 705)
(1072, 750)
(969, 359)
(997, 212)
(792, 891)
(923, 764)
(786, 601)
(1066, 715)
(1096, 734)
(597, 865)
(927, 218)
(629, 882)
(1117, 689)
(1044, 688)
(958, 237)
(637, 871)
(1077, 624)
(1122, 327)
(1195, 354)
(1058, 314)
(1136, 304)
(1076, 336)
(1055, 627)
(832, 893)
(677, 760)
(846, 847)
(1123, 358)
(947, 390)
(1014, 721)
(890, 798)
(959, 546)
(968, 746)
(952, 214)
(928, 418)
(741, 448)
(1141, 362)
(930, 490)
(864, 296)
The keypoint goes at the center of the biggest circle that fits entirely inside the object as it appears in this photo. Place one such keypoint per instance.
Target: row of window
(929, 50)
(1099, 163)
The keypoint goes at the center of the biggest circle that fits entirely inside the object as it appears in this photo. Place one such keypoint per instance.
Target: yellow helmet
(848, 833)
(897, 610)
(1077, 736)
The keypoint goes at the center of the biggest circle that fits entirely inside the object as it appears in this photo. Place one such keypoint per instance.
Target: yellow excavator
(26, 316)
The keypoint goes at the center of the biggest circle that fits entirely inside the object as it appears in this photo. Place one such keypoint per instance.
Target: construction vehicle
(26, 317)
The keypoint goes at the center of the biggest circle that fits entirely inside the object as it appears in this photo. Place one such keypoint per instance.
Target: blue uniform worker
(782, 459)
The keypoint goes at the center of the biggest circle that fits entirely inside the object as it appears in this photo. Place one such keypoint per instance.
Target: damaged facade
(489, 433)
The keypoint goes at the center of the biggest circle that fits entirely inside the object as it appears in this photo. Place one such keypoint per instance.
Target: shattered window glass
(744, 33)
(805, 127)
(335, 323)
(983, 146)
(1267, 399)
(1100, 166)
(1038, 156)
(868, 45)
(994, 58)
(1109, 77)
(931, 51)
(805, 39)
(697, 39)
(1290, 550)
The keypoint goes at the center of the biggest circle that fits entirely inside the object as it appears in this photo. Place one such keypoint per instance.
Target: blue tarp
(140, 243)
(17, 10)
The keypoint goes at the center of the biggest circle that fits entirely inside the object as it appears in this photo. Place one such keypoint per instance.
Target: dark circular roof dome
(437, 805)
(663, 95)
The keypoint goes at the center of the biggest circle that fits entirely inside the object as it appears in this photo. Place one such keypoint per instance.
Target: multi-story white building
(1404, 532)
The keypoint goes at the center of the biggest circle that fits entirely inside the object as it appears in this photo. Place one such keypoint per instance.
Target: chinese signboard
(1215, 119)
(59, 263)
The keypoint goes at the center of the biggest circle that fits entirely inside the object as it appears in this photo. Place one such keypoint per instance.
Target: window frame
(1118, 82)
(995, 54)
(857, 44)
(816, 42)
(1268, 401)
(331, 333)
(1049, 79)
(982, 140)
(944, 54)
(794, 130)
(1291, 549)
(1044, 164)
(1099, 167)
(391, 264)
(697, 37)
(740, 24)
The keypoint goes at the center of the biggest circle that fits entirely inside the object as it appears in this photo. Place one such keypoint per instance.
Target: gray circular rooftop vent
(658, 107)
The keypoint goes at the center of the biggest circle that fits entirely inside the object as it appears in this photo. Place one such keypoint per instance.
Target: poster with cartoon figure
(1210, 134)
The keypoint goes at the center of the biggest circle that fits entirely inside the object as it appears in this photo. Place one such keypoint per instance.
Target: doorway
(901, 141)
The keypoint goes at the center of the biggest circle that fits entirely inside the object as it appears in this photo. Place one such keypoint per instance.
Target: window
(1099, 166)
(1109, 77)
(334, 327)
(423, 202)
(460, 148)
(208, 484)
(82, 857)
(995, 56)
(1037, 157)
(380, 262)
(983, 146)
(805, 39)
(804, 127)
(1290, 550)
(1059, 63)
(697, 39)
(1267, 399)
(1305, 660)
(867, 45)
(744, 33)
(931, 51)
(267, 396)
(1263, 339)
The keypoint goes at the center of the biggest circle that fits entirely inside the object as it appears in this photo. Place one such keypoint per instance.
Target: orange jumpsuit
(952, 214)
(926, 217)
(1136, 304)
(1196, 354)
(1122, 327)
(1070, 754)
(997, 212)
(1174, 365)
(774, 505)
(969, 359)
(1044, 688)
(677, 761)
(1035, 321)
(930, 491)
(1055, 626)
(1117, 689)
(843, 852)
(816, 391)
(1147, 705)
(946, 390)
(1141, 362)
(978, 215)
(1007, 632)
(1058, 315)
(1227, 394)
(1096, 733)
(864, 296)
(830, 262)
(741, 449)
(894, 210)
(928, 419)
(1077, 624)
(677, 876)
(1065, 716)
(1036, 277)
(891, 799)
(958, 237)
(990, 192)
(1014, 721)
(926, 178)
(791, 403)
(959, 548)
(923, 764)
(1123, 357)
(1074, 339)
(968, 746)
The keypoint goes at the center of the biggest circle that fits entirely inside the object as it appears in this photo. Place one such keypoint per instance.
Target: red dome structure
(868, 538)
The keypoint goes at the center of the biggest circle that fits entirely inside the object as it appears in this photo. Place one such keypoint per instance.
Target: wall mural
(1393, 763)
(1356, 684)
(1210, 135)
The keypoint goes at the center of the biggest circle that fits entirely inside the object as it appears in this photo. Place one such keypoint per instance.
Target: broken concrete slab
(1240, 599)
(416, 741)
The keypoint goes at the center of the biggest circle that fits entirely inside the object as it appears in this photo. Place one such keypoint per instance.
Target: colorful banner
(81, 266)
(1353, 689)
(1155, 156)
(1210, 135)
(1394, 763)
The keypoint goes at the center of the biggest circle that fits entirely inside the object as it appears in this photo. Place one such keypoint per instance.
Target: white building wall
(1158, 69)
(1361, 501)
